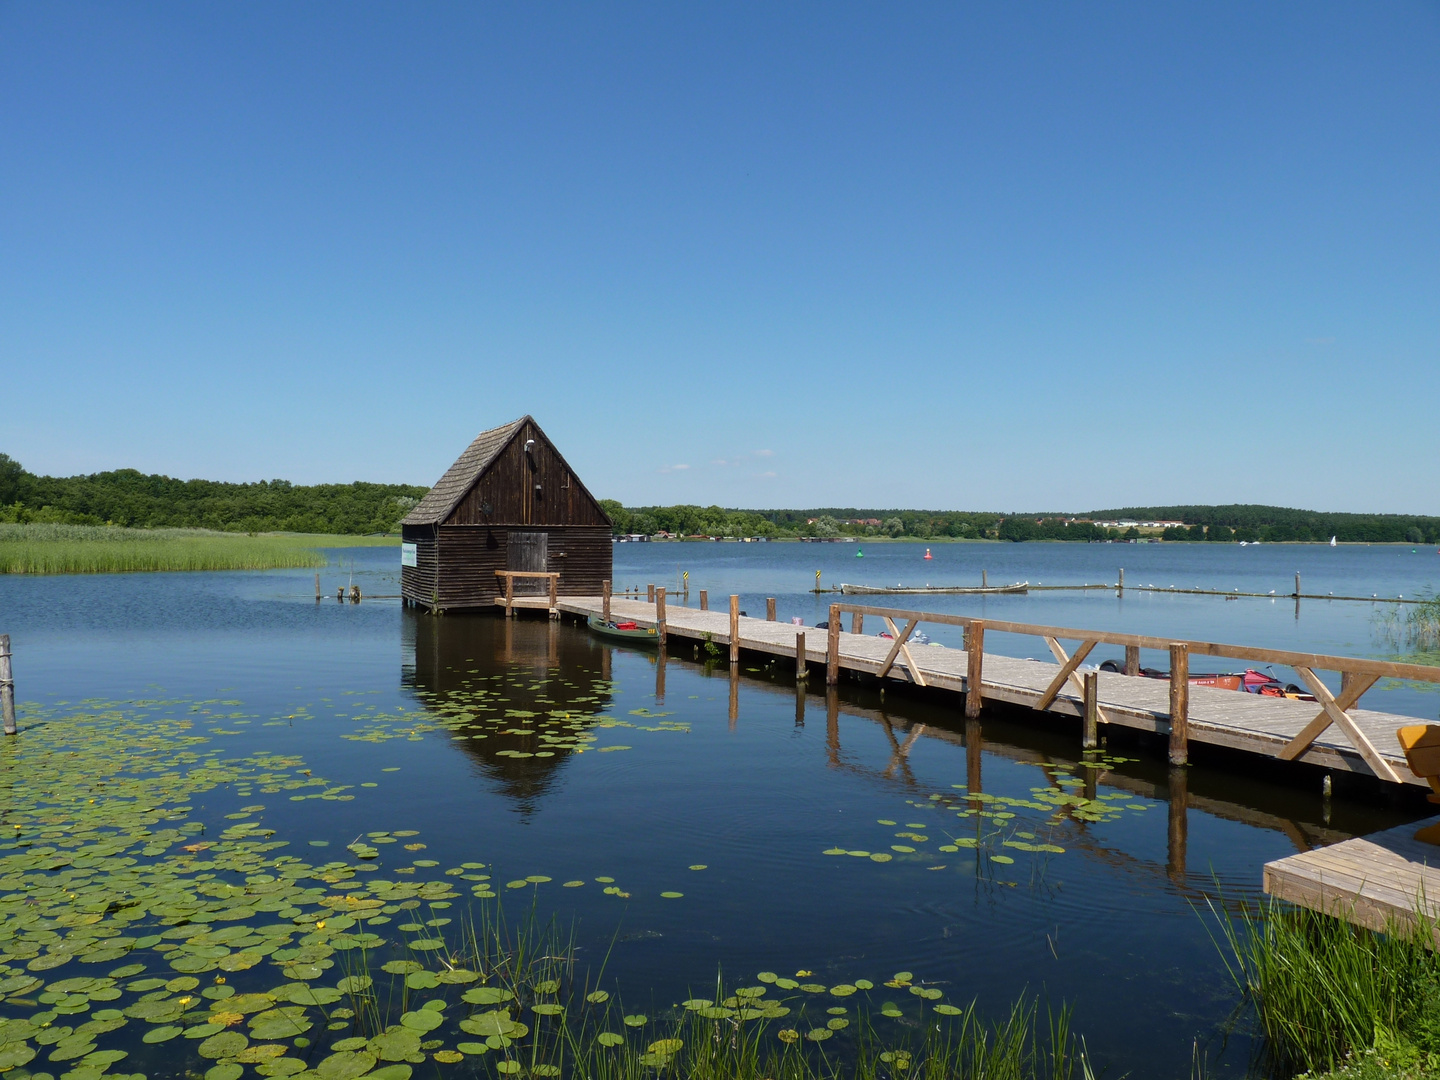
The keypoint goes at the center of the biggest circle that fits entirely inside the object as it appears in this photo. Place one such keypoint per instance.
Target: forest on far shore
(127, 497)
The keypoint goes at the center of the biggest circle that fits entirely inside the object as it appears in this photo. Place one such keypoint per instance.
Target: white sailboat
(1332, 541)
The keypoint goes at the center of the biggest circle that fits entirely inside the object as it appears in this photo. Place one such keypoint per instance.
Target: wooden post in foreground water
(1179, 703)
(7, 686)
(1178, 832)
(317, 587)
(832, 647)
(605, 602)
(1090, 737)
(660, 616)
(974, 667)
(734, 629)
(802, 669)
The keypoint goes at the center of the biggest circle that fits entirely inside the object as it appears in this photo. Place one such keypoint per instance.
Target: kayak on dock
(1249, 680)
(623, 631)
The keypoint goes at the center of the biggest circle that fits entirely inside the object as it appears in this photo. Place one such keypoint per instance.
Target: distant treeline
(131, 498)
(1278, 524)
(1272, 524)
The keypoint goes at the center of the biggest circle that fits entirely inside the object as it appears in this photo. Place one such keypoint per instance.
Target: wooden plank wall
(470, 555)
(420, 583)
(508, 489)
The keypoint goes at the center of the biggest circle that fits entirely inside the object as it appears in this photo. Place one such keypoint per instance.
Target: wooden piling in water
(317, 588)
(1120, 585)
(1297, 584)
(704, 600)
(660, 617)
(832, 647)
(857, 623)
(974, 667)
(984, 579)
(769, 609)
(1090, 737)
(802, 668)
(7, 686)
(1179, 703)
(1178, 831)
(605, 602)
(734, 629)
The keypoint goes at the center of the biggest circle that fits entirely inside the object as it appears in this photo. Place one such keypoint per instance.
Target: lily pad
(225, 1045)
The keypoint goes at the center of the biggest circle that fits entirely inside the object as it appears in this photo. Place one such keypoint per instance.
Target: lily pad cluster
(1001, 823)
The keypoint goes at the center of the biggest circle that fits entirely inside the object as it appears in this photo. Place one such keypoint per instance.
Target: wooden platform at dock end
(1377, 881)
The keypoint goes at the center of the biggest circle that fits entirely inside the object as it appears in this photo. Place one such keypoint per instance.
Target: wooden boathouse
(509, 503)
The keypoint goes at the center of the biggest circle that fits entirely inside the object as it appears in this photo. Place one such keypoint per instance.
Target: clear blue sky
(1002, 256)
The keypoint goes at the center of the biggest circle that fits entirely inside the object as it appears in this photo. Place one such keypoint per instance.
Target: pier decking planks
(1228, 718)
(1376, 881)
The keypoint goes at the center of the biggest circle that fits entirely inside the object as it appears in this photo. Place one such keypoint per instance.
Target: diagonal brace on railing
(1068, 664)
(912, 668)
(1333, 711)
(1066, 670)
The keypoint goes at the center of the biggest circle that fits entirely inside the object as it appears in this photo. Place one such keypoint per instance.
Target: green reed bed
(1327, 995)
(85, 549)
(1411, 630)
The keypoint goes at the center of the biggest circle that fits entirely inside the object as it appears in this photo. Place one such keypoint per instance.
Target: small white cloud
(768, 474)
(764, 453)
(719, 461)
(673, 468)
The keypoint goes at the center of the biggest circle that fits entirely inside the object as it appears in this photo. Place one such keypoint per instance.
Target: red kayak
(1249, 680)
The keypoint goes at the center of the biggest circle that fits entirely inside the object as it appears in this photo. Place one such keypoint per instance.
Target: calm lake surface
(463, 731)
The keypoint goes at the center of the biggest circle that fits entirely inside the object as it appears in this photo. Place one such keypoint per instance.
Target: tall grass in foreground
(1326, 993)
(529, 1010)
(86, 549)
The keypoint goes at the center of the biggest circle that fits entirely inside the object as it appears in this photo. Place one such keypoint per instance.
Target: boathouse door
(528, 551)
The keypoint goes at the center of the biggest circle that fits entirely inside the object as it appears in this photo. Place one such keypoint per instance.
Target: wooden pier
(1378, 881)
(1330, 732)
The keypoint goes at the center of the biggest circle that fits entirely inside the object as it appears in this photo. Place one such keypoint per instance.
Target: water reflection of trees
(547, 669)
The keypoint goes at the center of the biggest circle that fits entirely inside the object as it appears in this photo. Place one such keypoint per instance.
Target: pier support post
(802, 667)
(704, 600)
(660, 616)
(1120, 585)
(734, 629)
(832, 726)
(799, 704)
(605, 602)
(973, 747)
(769, 609)
(1090, 737)
(1179, 825)
(832, 647)
(317, 588)
(984, 579)
(1179, 703)
(7, 686)
(974, 668)
(857, 623)
(734, 695)
(1297, 584)
(660, 675)
(650, 593)
(1132, 659)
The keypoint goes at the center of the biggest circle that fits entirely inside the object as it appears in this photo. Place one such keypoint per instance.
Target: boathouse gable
(509, 502)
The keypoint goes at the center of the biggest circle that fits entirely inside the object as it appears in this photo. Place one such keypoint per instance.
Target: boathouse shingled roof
(441, 499)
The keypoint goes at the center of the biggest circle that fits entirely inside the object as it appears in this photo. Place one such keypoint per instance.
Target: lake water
(537, 751)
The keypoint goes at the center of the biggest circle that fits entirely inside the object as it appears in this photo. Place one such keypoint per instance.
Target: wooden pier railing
(1357, 674)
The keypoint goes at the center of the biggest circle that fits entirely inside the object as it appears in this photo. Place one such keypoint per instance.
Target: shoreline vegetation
(92, 549)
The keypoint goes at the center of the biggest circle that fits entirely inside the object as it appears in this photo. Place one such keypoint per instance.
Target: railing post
(1179, 703)
(509, 597)
(734, 629)
(832, 647)
(1090, 737)
(650, 593)
(769, 609)
(660, 616)
(974, 667)
(704, 600)
(802, 668)
(857, 623)
(1132, 659)
(605, 602)
(554, 580)
(7, 686)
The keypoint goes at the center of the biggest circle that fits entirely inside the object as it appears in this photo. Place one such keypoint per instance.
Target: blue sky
(1006, 256)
